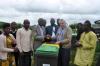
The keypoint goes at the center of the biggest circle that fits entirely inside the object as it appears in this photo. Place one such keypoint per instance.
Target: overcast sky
(70, 10)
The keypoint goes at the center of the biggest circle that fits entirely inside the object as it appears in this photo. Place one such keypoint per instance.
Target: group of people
(17, 45)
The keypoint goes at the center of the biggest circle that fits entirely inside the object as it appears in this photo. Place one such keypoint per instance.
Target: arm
(18, 40)
(91, 43)
(32, 40)
(2, 47)
(68, 37)
(37, 36)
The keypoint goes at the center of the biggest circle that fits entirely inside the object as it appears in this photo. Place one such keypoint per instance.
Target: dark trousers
(16, 54)
(98, 61)
(64, 57)
(25, 59)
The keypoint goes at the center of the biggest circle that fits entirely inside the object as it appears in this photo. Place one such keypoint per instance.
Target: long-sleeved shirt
(64, 36)
(84, 55)
(24, 40)
(3, 47)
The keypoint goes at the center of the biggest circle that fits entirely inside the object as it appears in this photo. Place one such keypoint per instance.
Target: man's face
(79, 26)
(62, 24)
(26, 24)
(14, 25)
(40, 23)
(86, 26)
(52, 22)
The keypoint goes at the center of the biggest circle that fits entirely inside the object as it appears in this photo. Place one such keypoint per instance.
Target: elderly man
(64, 35)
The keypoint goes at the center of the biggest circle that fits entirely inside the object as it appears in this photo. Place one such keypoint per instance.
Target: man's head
(41, 21)
(26, 23)
(52, 21)
(6, 28)
(13, 25)
(44, 22)
(79, 26)
(87, 25)
(62, 23)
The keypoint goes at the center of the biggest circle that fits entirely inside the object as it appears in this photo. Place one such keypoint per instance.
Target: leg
(65, 56)
(21, 60)
(28, 60)
(98, 62)
(59, 58)
(16, 54)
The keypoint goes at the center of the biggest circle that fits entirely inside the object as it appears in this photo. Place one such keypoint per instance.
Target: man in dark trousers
(25, 43)
(13, 32)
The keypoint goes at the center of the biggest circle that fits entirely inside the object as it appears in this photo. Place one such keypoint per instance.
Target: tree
(19, 25)
(73, 26)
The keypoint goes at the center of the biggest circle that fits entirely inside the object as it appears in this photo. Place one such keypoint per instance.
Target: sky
(72, 11)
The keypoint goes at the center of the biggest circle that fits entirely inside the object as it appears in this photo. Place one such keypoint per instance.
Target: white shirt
(53, 32)
(24, 40)
(41, 30)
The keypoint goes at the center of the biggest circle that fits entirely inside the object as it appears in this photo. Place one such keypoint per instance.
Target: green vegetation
(1, 23)
(18, 24)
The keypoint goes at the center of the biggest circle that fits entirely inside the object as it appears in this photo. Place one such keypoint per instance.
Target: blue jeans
(64, 57)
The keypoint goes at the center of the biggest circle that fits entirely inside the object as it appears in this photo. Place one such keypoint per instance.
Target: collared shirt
(24, 40)
(60, 35)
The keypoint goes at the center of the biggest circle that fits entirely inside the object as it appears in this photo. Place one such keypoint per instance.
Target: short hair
(52, 19)
(13, 23)
(62, 20)
(5, 25)
(40, 20)
(88, 23)
(26, 20)
(79, 24)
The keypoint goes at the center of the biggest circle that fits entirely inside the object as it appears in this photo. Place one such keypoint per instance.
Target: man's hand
(58, 42)
(78, 44)
(68, 45)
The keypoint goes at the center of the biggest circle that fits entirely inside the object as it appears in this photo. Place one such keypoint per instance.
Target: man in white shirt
(24, 43)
